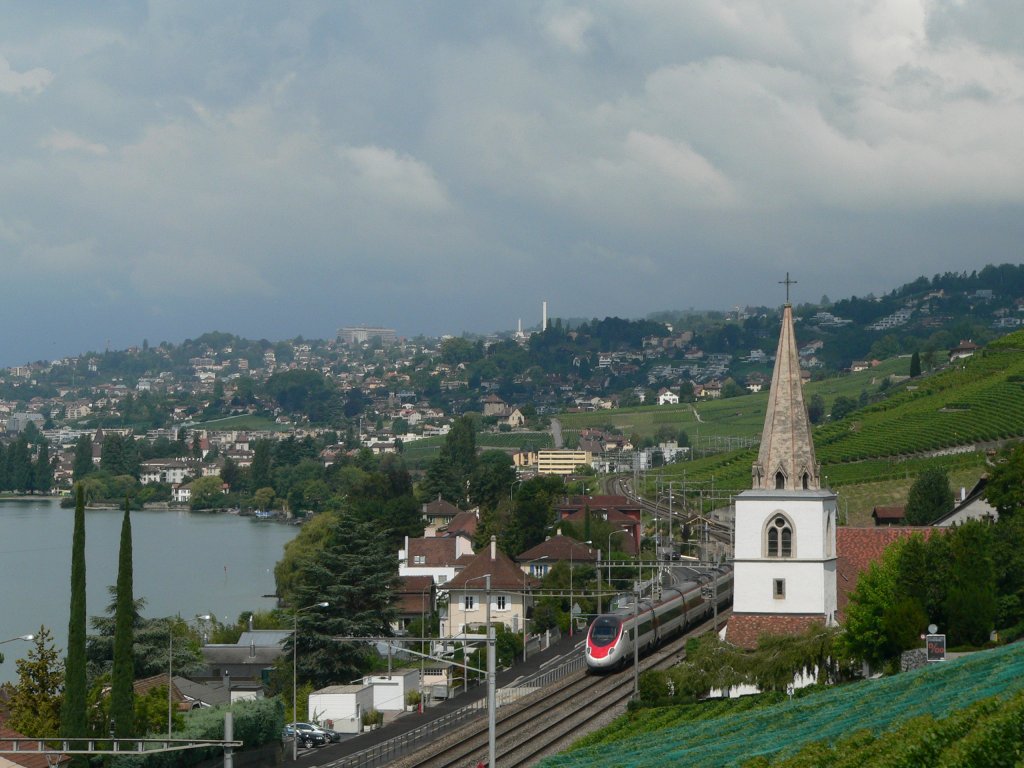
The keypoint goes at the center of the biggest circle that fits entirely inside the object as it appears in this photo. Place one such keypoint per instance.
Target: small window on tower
(807, 481)
(779, 589)
(780, 481)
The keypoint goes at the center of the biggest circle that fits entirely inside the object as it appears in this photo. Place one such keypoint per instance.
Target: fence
(384, 753)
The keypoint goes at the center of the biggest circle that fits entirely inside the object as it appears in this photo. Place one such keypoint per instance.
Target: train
(688, 599)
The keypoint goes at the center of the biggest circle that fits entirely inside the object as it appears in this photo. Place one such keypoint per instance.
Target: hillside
(915, 718)
(948, 417)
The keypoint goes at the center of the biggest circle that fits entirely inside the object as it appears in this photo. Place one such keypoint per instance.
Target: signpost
(935, 646)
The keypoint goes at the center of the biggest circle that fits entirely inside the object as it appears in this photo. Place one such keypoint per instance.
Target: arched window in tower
(778, 537)
(780, 481)
(807, 481)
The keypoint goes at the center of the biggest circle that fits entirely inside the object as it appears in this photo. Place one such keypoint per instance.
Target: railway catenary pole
(491, 680)
(636, 640)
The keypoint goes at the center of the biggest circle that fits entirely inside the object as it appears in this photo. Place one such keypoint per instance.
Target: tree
(492, 479)
(816, 408)
(42, 472)
(73, 722)
(356, 573)
(35, 700)
(915, 365)
(207, 492)
(122, 693)
(1005, 488)
(460, 449)
(260, 469)
(842, 407)
(971, 593)
(866, 634)
(930, 497)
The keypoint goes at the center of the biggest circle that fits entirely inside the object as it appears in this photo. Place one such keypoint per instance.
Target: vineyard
(967, 712)
(937, 419)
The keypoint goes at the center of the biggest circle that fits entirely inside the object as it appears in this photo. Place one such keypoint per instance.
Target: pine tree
(73, 723)
(34, 700)
(122, 694)
(915, 365)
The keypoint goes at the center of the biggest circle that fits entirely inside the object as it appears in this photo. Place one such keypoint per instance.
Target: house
(667, 397)
(493, 405)
(618, 511)
(467, 594)
(248, 660)
(181, 494)
(438, 513)
(26, 760)
(415, 599)
(962, 350)
(889, 515)
(538, 560)
(438, 557)
(972, 506)
(341, 707)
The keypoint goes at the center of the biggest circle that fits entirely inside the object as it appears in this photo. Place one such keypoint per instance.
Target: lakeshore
(185, 564)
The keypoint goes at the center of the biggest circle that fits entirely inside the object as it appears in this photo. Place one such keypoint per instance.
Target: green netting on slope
(781, 729)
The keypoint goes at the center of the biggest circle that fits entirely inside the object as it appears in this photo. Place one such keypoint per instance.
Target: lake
(185, 564)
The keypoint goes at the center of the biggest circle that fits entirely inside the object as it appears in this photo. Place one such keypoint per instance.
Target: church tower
(785, 558)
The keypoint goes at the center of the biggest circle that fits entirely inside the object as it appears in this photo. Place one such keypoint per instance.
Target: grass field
(253, 423)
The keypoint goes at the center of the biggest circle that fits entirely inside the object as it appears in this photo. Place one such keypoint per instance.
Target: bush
(373, 717)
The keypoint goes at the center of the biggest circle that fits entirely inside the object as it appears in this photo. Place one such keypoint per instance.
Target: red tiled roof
(559, 548)
(440, 508)
(504, 573)
(415, 594)
(745, 629)
(857, 548)
(435, 551)
(463, 523)
(888, 513)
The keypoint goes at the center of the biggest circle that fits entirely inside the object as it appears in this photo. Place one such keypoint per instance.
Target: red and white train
(683, 604)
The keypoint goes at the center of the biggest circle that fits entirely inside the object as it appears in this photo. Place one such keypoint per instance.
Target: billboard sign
(936, 647)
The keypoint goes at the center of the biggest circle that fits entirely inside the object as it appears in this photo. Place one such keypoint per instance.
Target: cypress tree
(122, 694)
(42, 472)
(73, 723)
(915, 365)
(83, 457)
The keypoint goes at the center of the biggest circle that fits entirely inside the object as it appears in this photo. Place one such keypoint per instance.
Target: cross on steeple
(787, 282)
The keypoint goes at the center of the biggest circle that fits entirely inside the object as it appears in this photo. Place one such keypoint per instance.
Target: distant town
(369, 388)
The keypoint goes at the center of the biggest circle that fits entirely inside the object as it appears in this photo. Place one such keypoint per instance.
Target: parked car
(332, 735)
(307, 734)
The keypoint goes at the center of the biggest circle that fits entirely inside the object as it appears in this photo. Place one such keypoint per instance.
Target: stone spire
(786, 459)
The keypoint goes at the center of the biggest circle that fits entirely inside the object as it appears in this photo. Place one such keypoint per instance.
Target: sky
(280, 169)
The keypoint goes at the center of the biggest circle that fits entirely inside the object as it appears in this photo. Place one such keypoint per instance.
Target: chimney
(494, 547)
(963, 494)
(250, 622)
(226, 677)
(543, 316)
(252, 649)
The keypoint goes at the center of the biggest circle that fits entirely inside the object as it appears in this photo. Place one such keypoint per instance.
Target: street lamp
(528, 564)
(27, 638)
(295, 687)
(170, 670)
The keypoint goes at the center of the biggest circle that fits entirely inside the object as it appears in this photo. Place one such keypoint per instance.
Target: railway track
(548, 721)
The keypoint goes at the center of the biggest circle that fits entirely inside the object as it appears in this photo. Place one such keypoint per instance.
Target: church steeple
(786, 458)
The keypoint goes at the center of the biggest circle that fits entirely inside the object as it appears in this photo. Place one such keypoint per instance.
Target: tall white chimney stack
(544, 316)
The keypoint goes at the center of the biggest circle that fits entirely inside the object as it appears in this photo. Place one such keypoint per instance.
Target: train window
(779, 589)
(778, 537)
(604, 630)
